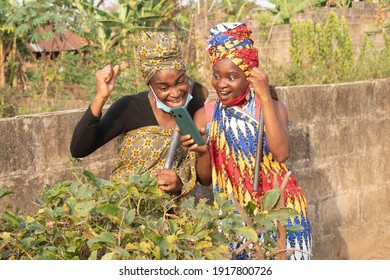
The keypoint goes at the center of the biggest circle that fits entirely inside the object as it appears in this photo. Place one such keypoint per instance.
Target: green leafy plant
(324, 53)
(375, 63)
(285, 10)
(92, 218)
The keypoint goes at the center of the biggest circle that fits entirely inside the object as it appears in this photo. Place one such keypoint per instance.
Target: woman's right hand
(105, 80)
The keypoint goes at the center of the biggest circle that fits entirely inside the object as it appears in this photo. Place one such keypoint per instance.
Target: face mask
(166, 108)
(239, 99)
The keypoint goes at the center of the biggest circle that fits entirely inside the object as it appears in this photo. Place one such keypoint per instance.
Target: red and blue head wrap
(232, 40)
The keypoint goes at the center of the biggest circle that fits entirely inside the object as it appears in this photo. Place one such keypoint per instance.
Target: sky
(108, 3)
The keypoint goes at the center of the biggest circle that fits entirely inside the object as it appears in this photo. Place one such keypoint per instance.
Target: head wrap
(232, 40)
(158, 51)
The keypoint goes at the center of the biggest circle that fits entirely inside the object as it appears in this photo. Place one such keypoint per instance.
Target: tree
(286, 9)
(6, 39)
(111, 35)
(31, 22)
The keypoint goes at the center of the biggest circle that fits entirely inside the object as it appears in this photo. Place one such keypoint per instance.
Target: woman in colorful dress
(232, 130)
(144, 119)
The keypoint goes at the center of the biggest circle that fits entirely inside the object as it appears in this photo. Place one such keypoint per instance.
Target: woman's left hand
(189, 142)
(168, 181)
(260, 83)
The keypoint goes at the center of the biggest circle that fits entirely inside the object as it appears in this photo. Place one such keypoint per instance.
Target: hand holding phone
(186, 124)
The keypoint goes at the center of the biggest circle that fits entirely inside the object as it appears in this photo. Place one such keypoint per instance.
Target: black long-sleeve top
(125, 114)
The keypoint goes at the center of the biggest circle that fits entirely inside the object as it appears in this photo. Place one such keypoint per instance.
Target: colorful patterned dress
(233, 136)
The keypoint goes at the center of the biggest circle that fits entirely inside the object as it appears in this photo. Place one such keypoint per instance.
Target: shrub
(98, 219)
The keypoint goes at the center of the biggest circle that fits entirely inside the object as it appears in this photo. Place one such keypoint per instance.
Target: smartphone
(186, 124)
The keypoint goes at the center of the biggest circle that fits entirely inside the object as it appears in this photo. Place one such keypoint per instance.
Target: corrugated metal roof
(69, 42)
(35, 47)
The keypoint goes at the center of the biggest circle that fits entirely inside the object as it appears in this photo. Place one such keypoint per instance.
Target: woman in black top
(144, 119)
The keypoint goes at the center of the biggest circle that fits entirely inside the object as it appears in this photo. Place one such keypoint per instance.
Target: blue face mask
(166, 108)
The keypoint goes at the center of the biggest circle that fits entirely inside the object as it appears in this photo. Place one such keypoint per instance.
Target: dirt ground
(381, 252)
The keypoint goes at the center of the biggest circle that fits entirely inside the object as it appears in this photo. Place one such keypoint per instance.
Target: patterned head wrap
(232, 40)
(158, 51)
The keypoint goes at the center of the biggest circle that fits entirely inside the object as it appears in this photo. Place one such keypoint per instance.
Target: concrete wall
(339, 142)
(340, 147)
(35, 152)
